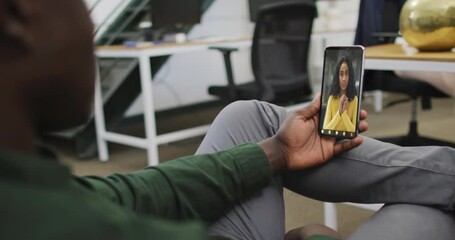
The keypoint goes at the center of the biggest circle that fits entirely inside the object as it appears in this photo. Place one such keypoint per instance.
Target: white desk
(143, 54)
(393, 57)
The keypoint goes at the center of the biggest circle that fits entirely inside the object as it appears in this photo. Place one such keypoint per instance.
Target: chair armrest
(226, 51)
(386, 37)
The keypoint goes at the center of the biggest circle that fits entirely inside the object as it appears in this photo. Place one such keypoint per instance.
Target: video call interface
(340, 117)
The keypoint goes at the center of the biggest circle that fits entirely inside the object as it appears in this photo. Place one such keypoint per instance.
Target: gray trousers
(417, 183)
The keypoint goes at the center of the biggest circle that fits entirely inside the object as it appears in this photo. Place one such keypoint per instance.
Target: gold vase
(429, 25)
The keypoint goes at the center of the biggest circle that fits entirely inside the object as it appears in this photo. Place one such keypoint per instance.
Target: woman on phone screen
(342, 104)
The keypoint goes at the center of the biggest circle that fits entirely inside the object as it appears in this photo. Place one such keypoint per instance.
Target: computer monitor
(255, 5)
(173, 15)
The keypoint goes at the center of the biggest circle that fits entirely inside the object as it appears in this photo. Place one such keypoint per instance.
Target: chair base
(414, 139)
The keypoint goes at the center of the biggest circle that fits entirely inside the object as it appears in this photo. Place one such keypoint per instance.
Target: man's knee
(405, 221)
(240, 107)
(254, 109)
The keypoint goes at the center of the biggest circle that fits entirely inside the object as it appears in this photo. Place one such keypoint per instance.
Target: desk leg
(99, 119)
(330, 215)
(149, 110)
(377, 101)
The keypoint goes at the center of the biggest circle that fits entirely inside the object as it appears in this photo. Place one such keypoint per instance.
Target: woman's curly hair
(351, 90)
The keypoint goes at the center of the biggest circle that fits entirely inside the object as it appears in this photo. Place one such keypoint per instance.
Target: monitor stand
(176, 34)
(176, 37)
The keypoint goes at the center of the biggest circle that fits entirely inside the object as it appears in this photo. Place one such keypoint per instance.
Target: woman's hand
(298, 145)
(343, 104)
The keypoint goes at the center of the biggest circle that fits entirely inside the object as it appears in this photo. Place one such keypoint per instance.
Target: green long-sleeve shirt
(40, 199)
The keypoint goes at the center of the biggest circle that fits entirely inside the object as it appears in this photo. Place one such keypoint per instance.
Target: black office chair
(371, 32)
(279, 56)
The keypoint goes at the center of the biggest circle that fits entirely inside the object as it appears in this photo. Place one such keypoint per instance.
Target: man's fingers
(363, 115)
(344, 146)
(311, 109)
(317, 101)
(363, 126)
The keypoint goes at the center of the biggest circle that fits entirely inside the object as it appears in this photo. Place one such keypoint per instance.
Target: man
(47, 66)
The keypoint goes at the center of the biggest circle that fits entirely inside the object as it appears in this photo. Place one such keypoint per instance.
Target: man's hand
(298, 145)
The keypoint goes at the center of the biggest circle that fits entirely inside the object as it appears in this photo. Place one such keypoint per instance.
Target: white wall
(104, 12)
(184, 79)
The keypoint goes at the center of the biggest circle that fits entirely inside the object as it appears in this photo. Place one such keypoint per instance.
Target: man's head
(47, 61)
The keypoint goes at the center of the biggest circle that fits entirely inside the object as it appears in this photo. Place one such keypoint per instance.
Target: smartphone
(341, 91)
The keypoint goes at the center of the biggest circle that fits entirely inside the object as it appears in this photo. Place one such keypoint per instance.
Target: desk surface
(396, 52)
(147, 46)
(162, 49)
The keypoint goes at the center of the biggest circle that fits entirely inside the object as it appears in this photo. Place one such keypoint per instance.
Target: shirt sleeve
(331, 120)
(349, 120)
(328, 113)
(196, 187)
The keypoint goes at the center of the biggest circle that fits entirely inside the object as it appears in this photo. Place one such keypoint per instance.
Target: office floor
(438, 122)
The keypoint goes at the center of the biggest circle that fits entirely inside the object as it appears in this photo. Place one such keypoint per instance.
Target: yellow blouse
(344, 122)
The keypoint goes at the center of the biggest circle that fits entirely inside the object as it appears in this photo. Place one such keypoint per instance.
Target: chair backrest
(378, 16)
(391, 15)
(281, 43)
(378, 23)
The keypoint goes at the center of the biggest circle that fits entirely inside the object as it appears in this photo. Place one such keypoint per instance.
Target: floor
(438, 122)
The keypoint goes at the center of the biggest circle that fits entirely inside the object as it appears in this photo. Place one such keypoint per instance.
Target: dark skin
(47, 69)
(311, 230)
(298, 145)
(47, 81)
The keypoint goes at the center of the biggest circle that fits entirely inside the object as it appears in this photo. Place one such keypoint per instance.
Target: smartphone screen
(342, 83)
